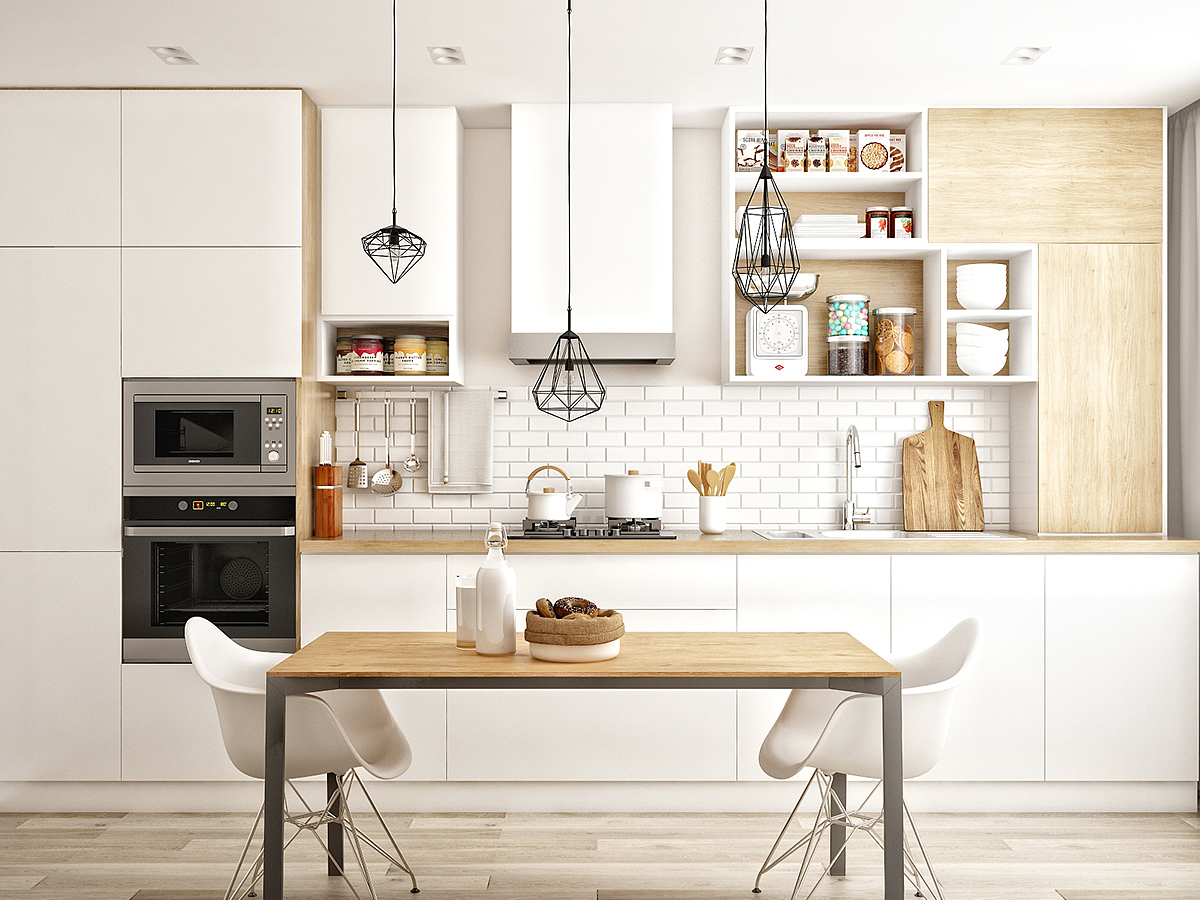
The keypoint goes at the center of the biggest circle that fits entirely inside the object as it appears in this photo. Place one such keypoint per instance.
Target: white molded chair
(840, 733)
(328, 733)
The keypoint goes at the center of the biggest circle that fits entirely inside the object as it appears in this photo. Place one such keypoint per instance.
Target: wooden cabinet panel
(1100, 430)
(997, 729)
(1121, 661)
(211, 168)
(1046, 175)
(60, 168)
(210, 312)
(67, 299)
(60, 656)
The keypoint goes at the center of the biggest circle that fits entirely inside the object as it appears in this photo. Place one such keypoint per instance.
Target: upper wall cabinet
(356, 199)
(1046, 175)
(60, 168)
(621, 216)
(211, 168)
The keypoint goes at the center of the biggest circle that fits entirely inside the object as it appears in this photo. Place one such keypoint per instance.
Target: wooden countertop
(470, 540)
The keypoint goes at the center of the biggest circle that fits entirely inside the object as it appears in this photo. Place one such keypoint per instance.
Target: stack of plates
(846, 226)
(980, 350)
(982, 285)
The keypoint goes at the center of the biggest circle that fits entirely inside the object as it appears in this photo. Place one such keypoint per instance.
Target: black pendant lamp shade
(394, 249)
(568, 387)
(764, 261)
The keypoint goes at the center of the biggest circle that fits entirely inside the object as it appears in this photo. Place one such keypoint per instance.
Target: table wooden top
(690, 654)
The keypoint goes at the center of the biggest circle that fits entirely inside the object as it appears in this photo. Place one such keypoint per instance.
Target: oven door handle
(208, 531)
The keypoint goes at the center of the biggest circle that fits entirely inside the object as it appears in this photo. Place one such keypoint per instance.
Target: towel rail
(402, 395)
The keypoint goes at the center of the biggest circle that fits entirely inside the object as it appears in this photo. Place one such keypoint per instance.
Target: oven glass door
(189, 434)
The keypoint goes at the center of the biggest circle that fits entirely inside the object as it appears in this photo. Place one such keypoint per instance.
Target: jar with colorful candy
(848, 315)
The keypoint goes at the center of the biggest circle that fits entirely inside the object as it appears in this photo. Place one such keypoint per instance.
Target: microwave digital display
(274, 410)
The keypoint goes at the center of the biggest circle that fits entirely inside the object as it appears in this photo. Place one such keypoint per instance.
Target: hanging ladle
(412, 463)
(387, 480)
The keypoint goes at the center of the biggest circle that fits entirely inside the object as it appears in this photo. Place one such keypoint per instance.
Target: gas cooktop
(619, 529)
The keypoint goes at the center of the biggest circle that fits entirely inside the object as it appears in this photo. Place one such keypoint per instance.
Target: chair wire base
(833, 812)
(335, 811)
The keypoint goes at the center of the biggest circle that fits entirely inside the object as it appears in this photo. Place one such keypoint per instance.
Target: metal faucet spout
(851, 515)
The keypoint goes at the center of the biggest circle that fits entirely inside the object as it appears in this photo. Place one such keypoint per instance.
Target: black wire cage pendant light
(394, 249)
(568, 387)
(764, 260)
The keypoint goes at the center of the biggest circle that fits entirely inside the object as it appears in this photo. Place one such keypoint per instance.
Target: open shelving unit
(331, 327)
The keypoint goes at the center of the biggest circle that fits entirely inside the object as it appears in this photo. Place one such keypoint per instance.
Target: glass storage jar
(410, 354)
(847, 355)
(848, 314)
(366, 354)
(437, 356)
(895, 340)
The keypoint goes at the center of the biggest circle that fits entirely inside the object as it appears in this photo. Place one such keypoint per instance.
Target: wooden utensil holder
(327, 507)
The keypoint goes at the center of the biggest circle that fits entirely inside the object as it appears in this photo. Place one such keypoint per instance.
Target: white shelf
(833, 182)
(987, 315)
(387, 382)
(874, 380)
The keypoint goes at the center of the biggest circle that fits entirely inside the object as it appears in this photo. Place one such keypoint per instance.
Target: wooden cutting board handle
(937, 415)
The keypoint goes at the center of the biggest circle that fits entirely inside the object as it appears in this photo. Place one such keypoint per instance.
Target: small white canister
(464, 602)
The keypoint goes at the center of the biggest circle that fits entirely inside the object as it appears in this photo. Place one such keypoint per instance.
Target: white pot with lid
(633, 496)
(547, 504)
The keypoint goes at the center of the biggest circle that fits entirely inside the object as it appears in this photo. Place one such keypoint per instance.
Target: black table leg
(334, 837)
(837, 833)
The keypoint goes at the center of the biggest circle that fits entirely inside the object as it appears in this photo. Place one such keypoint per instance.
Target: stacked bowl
(981, 285)
(980, 350)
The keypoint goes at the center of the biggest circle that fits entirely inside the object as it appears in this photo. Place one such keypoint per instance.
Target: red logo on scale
(778, 368)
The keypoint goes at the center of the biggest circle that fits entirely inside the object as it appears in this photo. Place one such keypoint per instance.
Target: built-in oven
(209, 432)
(230, 558)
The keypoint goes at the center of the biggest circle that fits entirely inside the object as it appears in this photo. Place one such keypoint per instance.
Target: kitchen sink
(887, 534)
(863, 534)
(783, 535)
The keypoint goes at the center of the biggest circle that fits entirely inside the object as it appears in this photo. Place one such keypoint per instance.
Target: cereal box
(750, 150)
(838, 143)
(874, 148)
(792, 146)
(817, 153)
(852, 162)
(897, 155)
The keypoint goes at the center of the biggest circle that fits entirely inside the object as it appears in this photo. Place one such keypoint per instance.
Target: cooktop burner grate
(615, 529)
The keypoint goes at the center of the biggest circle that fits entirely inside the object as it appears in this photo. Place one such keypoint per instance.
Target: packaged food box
(852, 162)
(818, 155)
(750, 151)
(898, 154)
(874, 148)
(837, 141)
(792, 144)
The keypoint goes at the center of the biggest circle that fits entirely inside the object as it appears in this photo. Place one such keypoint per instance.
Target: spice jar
(848, 314)
(409, 354)
(437, 356)
(878, 221)
(388, 357)
(895, 340)
(901, 222)
(366, 354)
(342, 364)
(847, 355)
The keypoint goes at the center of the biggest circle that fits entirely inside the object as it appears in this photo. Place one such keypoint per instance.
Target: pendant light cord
(393, 113)
(569, 81)
(766, 130)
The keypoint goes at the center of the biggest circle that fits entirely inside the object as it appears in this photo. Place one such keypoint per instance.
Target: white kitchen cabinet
(621, 217)
(169, 726)
(804, 593)
(60, 168)
(60, 397)
(1121, 668)
(211, 168)
(356, 199)
(210, 312)
(997, 729)
(60, 658)
(384, 593)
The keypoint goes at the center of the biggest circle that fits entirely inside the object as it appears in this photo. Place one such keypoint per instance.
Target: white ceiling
(902, 52)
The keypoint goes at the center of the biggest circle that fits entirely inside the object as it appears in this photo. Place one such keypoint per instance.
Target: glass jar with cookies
(895, 340)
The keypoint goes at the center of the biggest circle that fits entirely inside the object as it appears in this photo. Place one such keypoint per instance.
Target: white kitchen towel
(460, 442)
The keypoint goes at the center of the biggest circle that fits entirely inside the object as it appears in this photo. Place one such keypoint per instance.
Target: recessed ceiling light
(174, 56)
(447, 56)
(1023, 56)
(733, 56)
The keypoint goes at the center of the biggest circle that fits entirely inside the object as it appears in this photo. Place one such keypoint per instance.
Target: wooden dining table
(648, 660)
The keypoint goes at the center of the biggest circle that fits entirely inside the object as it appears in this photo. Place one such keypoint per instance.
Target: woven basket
(582, 632)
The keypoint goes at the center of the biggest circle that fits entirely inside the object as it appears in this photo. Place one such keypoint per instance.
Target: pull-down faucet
(851, 515)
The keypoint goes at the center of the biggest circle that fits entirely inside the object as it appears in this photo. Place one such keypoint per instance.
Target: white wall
(786, 440)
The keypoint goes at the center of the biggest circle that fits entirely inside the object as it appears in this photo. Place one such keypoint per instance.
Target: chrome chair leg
(398, 860)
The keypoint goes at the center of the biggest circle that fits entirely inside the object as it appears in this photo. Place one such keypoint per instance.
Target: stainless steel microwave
(210, 432)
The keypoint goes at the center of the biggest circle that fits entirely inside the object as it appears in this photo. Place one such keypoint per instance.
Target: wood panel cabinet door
(1046, 175)
(60, 397)
(1121, 661)
(210, 312)
(997, 728)
(211, 168)
(60, 659)
(805, 593)
(60, 168)
(1100, 426)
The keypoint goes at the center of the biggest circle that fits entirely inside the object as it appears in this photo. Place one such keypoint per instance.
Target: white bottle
(495, 599)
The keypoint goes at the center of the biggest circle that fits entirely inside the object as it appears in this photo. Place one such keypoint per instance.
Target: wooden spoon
(713, 479)
(726, 477)
(694, 478)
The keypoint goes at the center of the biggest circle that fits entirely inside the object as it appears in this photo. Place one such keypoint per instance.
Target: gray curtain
(1183, 322)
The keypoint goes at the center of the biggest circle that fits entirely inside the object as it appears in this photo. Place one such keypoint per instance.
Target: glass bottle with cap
(495, 598)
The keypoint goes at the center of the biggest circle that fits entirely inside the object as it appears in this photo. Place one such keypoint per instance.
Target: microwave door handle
(208, 531)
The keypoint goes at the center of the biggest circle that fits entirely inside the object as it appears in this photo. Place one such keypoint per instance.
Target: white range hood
(621, 222)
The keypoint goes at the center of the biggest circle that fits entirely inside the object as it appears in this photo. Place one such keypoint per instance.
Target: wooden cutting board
(941, 479)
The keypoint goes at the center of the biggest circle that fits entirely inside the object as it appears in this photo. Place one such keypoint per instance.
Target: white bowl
(576, 653)
(979, 342)
(982, 270)
(971, 328)
(981, 364)
(980, 298)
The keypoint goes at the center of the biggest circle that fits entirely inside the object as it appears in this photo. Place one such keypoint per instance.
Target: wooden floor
(143, 856)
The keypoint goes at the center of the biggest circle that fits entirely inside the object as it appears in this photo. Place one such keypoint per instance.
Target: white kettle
(547, 504)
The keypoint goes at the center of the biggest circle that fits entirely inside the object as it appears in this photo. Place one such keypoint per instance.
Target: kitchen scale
(777, 341)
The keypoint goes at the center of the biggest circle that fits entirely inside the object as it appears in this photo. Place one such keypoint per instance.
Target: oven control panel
(180, 508)
(275, 430)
